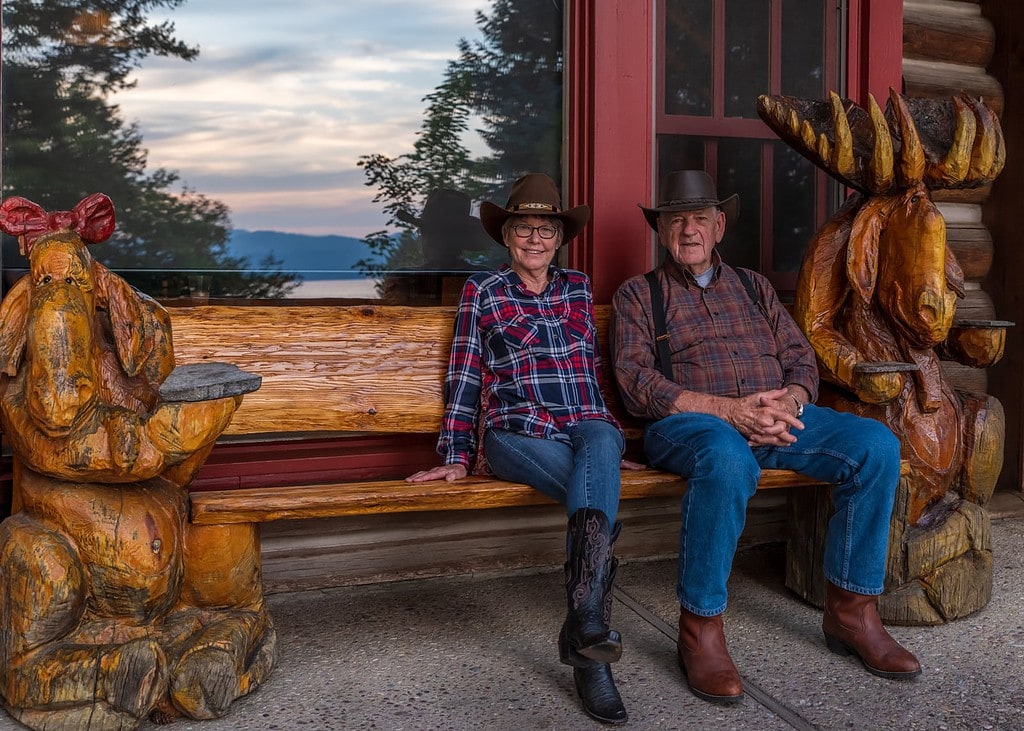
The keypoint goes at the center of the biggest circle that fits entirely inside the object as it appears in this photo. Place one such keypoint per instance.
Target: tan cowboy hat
(690, 190)
(534, 194)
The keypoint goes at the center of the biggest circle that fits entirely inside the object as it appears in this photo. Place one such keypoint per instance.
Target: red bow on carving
(92, 219)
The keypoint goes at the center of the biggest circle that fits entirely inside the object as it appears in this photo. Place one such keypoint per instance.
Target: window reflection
(718, 56)
(739, 171)
(795, 185)
(430, 268)
(803, 67)
(295, 155)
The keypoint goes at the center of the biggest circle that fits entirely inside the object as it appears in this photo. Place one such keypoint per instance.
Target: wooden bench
(354, 370)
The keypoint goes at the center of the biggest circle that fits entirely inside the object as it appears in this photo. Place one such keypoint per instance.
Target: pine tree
(63, 139)
(511, 80)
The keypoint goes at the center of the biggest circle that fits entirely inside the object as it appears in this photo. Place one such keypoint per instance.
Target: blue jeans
(860, 456)
(583, 475)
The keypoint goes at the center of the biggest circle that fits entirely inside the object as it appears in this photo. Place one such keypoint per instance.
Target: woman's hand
(448, 472)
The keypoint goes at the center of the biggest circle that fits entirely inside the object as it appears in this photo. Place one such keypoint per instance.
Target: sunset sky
(285, 97)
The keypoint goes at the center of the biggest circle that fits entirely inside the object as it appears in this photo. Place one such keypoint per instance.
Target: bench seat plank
(259, 505)
(369, 369)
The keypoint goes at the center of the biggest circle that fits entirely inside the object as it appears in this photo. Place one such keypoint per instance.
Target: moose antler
(945, 143)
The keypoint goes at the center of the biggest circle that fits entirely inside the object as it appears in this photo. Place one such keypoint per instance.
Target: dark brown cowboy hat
(690, 190)
(534, 194)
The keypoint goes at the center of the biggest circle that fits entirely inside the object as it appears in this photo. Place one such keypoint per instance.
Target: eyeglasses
(525, 230)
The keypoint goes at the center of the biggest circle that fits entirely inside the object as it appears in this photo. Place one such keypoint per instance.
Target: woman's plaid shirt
(520, 361)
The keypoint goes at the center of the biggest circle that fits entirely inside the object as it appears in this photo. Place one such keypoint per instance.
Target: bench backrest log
(359, 368)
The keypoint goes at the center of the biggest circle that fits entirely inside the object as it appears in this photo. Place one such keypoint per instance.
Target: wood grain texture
(972, 246)
(954, 32)
(941, 80)
(327, 369)
(318, 553)
(261, 505)
(377, 369)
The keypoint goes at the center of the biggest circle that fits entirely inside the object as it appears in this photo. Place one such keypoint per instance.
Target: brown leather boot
(705, 661)
(851, 625)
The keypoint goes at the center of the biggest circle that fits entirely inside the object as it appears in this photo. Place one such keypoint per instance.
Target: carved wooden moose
(877, 297)
(114, 607)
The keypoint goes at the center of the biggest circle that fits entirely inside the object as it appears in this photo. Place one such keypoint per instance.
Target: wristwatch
(799, 406)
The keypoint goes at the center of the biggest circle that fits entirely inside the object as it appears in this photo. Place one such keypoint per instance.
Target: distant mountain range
(314, 257)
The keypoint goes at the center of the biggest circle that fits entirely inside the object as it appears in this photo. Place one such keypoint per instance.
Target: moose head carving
(877, 293)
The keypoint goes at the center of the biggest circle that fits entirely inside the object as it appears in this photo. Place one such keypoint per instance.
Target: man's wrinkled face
(691, 236)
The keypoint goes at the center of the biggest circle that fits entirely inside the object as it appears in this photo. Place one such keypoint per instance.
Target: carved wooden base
(939, 569)
(115, 608)
(934, 574)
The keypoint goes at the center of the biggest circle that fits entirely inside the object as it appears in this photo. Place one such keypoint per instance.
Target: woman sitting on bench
(524, 372)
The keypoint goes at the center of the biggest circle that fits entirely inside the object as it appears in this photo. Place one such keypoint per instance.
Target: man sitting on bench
(708, 354)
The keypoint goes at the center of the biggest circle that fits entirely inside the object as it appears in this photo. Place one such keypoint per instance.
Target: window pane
(739, 171)
(688, 55)
(803, 43)
(676, 152)
(746, 55)
(295, 154)
(793, 183)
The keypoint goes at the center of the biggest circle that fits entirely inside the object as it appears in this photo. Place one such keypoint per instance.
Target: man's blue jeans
(860, 456)
(584, 475)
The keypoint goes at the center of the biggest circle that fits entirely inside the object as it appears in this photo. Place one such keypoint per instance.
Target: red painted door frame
(609, 135)
(610, 56)
(875, 37)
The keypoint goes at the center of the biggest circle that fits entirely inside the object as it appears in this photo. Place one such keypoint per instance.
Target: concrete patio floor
(479, 653)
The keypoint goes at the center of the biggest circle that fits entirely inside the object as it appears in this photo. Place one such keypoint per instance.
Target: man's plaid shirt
(520, 361)
(720, 343)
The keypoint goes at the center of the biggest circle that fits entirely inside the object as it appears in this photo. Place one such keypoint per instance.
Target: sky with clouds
(284, 98)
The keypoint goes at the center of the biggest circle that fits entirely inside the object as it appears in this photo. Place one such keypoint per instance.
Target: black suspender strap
(754, 296)
(660, 331)
(663, 356)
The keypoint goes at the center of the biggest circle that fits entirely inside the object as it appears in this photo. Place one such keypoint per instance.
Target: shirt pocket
(519, 333)
(509, 342)
(691, 364)
(579, 327)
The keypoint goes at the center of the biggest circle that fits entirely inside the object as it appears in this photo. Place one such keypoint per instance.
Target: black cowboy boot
(589, 573)
(596, 688)
(585, 641)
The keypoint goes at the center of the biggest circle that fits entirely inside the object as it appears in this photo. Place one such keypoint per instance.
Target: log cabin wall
(948, 46)
(1006, 278)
